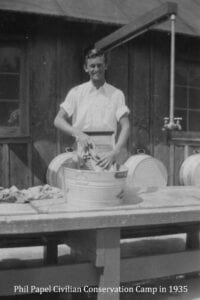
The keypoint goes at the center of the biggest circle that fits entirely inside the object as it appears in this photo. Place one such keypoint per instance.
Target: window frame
(23, 129)
(187, 62)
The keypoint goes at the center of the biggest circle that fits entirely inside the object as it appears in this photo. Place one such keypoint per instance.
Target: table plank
(136, 198)
(12, 209)
(58, 222)
(164, 265)
(169, 205)
(143, 208)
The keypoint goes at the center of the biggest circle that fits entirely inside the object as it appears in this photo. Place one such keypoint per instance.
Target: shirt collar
(92, 88)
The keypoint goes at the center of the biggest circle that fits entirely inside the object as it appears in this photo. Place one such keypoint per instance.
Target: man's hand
(106, 159)
(83, 139)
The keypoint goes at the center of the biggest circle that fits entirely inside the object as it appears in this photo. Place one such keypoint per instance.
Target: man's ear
(85, 68)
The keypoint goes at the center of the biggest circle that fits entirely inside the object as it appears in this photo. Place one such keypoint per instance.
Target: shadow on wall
(26, 167)
(43, 152)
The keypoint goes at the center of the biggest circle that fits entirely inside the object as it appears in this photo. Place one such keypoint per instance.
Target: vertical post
(30, 169)
(109, 242)
(58, 85)
(6, 165)
(172, 69)
(186, 151)
(51, 252)
(171, 164)
(193, 240)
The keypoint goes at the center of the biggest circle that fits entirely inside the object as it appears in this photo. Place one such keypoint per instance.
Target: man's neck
(98, 84)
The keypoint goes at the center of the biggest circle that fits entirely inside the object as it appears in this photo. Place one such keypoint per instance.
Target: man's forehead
(98, 59)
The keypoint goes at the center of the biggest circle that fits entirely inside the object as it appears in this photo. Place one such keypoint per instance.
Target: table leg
(193, 240)
(102, 248)
(51, 252)
(51, 257)
(109, 241)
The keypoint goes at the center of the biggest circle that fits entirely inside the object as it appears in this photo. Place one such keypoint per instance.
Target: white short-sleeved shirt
(95, 109)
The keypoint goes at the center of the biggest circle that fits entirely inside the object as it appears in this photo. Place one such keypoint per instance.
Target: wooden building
(41, 56)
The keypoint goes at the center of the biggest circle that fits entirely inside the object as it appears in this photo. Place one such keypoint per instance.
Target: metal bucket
(92, 190)
(54, 172)
(189, 173)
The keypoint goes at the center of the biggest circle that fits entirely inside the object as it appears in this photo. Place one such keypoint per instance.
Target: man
(95, 106)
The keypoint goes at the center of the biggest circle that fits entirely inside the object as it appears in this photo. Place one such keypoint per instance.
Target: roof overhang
(109, 12)
(137, 27)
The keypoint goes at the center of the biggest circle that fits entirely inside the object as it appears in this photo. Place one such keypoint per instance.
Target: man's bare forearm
(123, 135)
(62, 124)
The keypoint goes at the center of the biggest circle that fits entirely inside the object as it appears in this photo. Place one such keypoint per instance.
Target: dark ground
(191, 282)
(177, 243)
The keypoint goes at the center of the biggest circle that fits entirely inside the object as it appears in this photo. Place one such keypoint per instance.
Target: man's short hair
(93, 53)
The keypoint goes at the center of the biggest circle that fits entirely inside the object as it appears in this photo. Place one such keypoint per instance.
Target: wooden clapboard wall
(146, 84)
(58, 59)
(54, 62)
(136, 76)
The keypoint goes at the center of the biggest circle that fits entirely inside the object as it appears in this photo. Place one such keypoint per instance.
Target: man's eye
(93, 66)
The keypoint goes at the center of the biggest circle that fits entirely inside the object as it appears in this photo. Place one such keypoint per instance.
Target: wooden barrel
(54, 172)
(145, 171)
(189, 173)
(86, 189)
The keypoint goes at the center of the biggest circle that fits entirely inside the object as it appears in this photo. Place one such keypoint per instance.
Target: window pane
(181, 73)
(10, 74)
(9, 86)
(182, 114)
(181, 97)
(194, 96)
(9, 114)
(194, 75)
(9, 59)
(194, 120)
(187, 94)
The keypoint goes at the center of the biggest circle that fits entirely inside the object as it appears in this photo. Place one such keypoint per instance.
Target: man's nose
(96, 68)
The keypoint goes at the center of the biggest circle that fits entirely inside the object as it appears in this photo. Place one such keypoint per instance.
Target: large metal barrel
(86, 189)
(145, 171)
(189, 173)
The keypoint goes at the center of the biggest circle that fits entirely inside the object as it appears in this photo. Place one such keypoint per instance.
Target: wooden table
(98, 234)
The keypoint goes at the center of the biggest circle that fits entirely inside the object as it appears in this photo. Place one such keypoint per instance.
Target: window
(187, 94)
(13, 102)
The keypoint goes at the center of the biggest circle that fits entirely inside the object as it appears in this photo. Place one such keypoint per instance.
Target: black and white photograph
(99, 150)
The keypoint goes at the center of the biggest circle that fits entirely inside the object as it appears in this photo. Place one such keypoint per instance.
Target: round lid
(145, 171)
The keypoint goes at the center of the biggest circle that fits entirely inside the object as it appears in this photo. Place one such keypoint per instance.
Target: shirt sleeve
(69, 103)
(122, 109)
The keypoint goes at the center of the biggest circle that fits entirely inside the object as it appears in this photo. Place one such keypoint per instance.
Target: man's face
(96, 67)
